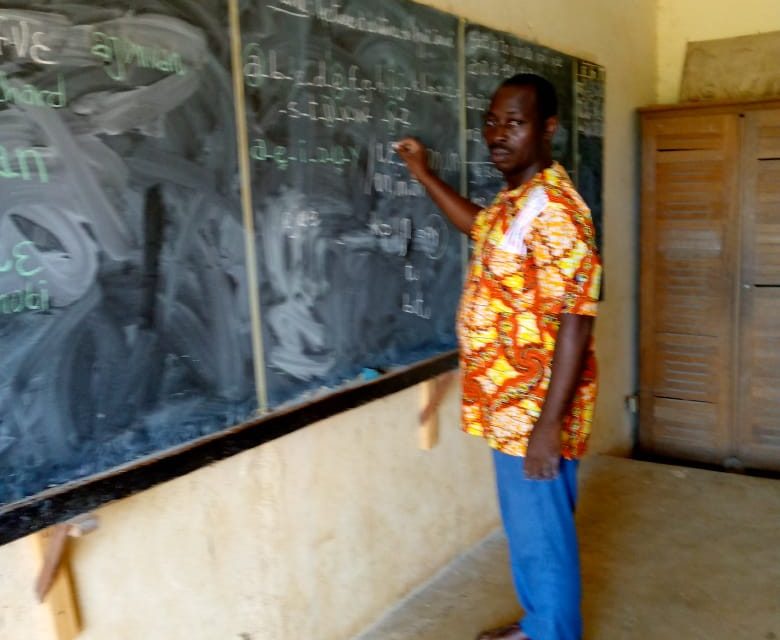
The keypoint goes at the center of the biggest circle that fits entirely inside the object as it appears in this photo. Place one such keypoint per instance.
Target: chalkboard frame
(69, 500)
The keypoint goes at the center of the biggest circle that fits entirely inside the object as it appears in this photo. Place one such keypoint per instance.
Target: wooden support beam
(54, 585)
(432, 393)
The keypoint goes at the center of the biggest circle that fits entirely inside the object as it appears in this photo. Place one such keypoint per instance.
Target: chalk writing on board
(590, 99)
(24, 163)
(509, 48)
(366, 21)
(34, 296)
(357, 269)
(303, 152)
(491, 57)
(261, 65)
(124, 323)
(21, 261)
(120, 54)
(18, 34)
(28, 95)
(590, 145)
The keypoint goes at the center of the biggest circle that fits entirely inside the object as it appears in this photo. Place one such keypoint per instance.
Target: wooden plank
(61, 598)
(757, 421)
(429, 418)
(247, 211)
(768, 134)
(686, 429)
(689, 242)
(432, 393)
(758, 427)
(688, 367)
(711, 107)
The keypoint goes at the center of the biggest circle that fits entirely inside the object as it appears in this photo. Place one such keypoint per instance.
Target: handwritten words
(330, 11)
(120, 54)
(33, 296)
(20, 261)
(282, 155)
(17, 35)
(399, 237)
(521, 51)
(28, 95)
(24, 158)
(265, 65)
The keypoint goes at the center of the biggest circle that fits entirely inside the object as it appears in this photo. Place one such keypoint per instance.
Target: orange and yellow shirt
(534, 259)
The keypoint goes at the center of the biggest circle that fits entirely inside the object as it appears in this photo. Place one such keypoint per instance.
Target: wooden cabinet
(710, 283)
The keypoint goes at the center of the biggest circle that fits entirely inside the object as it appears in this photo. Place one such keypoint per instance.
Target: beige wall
(316, 534)
(683, 21)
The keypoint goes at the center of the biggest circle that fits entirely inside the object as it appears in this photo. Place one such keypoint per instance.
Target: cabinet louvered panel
(757, 426)
(687, 367)
(710, 288)
(688, 245)
(761, 199)
(766, 239)
(686, 429)
(758, 421)
(691, 280)
(768, 134)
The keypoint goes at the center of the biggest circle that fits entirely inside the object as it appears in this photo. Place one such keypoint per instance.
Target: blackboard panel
(358, 268)
(491, 57)
(124, 327)
(124, 316)
(591, 79)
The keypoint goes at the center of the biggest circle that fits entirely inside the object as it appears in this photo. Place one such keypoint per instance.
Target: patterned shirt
(534, 259)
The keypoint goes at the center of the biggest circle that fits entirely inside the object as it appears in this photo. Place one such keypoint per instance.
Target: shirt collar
(553, 174)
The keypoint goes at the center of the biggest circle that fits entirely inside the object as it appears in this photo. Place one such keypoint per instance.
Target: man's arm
(544, 446)
(458, 209)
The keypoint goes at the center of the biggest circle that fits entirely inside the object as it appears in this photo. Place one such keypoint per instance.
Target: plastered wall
(683, 21)
(314, 535)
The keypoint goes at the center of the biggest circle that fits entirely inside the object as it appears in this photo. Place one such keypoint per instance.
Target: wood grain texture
(757, 427)
(61, 597)
(689, 242)
(710, 322)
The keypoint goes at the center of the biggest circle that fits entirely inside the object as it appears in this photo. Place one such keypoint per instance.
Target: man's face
(516, 137)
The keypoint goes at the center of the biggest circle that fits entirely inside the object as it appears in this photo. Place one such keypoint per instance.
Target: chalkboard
(359, 270)
(179, 283)
(491, 57)
(124, 323)
(589, 102)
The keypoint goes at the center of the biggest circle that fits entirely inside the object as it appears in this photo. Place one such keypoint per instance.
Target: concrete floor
(669, 553)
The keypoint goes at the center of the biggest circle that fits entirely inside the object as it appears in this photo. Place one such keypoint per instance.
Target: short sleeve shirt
(534, 259)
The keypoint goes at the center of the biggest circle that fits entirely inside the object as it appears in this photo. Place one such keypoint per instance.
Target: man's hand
(542, 460)
(458, 209)
(415, 155)
(543, 457)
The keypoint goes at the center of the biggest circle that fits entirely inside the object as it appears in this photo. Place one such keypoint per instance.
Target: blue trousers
(538, 518)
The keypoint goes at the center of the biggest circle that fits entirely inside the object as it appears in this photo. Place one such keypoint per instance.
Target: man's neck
(528, 173)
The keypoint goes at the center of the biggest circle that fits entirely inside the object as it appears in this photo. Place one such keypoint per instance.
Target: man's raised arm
(458, 209)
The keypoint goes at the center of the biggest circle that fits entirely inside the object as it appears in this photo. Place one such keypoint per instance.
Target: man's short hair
(546, 96)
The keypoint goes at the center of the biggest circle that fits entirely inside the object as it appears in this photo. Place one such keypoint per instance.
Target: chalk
(370, 374)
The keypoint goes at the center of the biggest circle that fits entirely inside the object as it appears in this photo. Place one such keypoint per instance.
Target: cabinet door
(757, 424)
(687, 287)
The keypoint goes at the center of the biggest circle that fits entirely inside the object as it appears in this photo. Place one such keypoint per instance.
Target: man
(527, 361)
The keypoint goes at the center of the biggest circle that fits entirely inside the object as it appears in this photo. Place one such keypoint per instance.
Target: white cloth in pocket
(514, 238)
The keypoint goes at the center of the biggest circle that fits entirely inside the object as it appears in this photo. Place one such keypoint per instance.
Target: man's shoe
(509, 632)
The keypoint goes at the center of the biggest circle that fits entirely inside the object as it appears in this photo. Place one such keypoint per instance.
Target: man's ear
(550, 127)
